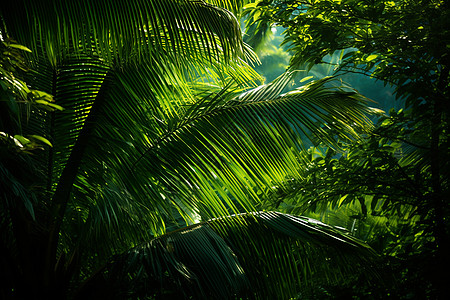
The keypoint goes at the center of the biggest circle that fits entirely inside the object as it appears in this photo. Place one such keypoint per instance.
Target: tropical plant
(151, 123)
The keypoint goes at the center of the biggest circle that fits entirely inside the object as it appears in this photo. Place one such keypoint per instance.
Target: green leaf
(371, 57)
(306, 78)
(21, 47)
(387, 122)
(42, 139)
(396, 145)
(342, 199)
(23, 140)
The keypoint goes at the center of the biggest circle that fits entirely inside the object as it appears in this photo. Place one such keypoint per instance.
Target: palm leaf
(261, 255)
(237, 149)
(114, 31)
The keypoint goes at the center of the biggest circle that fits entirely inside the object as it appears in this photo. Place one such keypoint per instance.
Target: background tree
(405, 161)
(151, 122)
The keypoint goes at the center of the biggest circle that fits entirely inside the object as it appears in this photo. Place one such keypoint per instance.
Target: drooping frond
(258, 256)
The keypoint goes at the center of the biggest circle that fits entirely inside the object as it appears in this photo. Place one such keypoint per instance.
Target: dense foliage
(399, 171)
(141, 158)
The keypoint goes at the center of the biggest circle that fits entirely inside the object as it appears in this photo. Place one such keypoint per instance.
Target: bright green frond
(236, 151)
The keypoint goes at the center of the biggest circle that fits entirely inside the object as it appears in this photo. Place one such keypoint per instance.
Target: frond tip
(254, 255)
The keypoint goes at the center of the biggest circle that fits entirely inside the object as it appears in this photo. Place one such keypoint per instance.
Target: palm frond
(118, 32)
(258, 256)
(247, 144)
